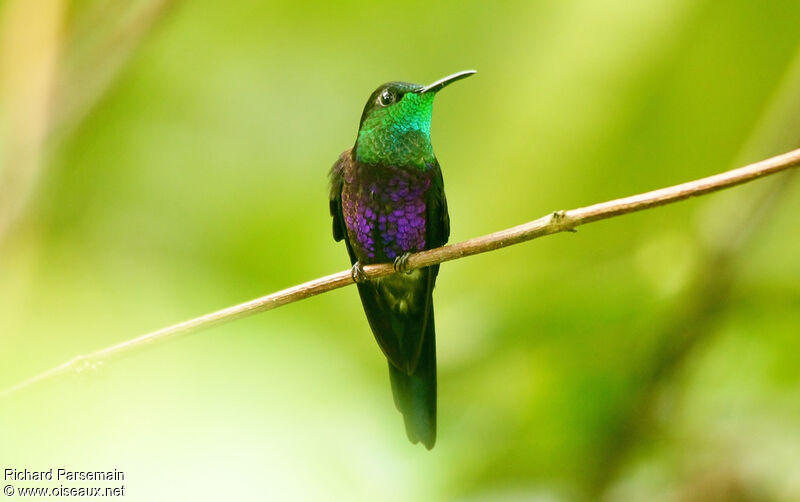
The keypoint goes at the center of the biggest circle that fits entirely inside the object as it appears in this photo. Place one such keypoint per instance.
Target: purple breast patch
(384, 211)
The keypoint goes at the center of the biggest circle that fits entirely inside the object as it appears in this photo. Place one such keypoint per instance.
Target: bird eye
(386, 98)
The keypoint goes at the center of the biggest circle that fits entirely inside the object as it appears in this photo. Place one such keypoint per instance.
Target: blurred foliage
(173, 161)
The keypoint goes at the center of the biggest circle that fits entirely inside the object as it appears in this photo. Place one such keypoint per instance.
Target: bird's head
(395, 126)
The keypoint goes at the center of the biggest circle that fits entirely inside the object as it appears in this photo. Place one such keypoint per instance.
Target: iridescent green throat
(398, 135)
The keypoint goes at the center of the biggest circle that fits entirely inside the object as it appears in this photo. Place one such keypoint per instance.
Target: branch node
(86, 364)
(561, 222)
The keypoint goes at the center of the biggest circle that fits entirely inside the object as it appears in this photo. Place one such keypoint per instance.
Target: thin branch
(559, 221)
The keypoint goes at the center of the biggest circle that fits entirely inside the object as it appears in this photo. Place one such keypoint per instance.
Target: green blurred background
(160, 160)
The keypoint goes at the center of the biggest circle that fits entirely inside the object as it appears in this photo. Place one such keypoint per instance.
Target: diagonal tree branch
(559, 221)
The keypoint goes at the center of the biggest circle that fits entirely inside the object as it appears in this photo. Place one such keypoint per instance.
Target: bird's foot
(357, 273)
(401, 264)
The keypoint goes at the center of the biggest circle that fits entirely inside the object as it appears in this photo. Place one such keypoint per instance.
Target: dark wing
(438, 229)
(335, 198)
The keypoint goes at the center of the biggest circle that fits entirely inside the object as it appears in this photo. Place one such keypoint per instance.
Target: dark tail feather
(415, 394)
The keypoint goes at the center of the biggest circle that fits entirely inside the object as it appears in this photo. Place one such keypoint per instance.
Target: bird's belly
(386, 218)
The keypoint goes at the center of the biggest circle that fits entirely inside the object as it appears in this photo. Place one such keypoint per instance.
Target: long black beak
(443, 82)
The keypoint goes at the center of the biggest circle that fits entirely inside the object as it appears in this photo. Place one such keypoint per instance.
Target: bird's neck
(399, 135)
(403, 148)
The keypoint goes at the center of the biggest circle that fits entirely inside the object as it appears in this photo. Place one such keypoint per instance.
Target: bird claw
(401, 264)
(357, 273)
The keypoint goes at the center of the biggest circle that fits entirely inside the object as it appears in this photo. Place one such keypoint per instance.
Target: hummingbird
(387, 201)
